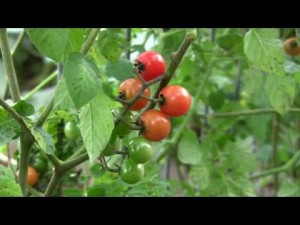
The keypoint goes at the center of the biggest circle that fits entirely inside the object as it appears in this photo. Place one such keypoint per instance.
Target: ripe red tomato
(291, 47)
(156, 125)
(150, 65)
(129, 88)
(176, 100)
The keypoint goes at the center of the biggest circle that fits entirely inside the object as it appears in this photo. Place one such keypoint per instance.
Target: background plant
(240, 137)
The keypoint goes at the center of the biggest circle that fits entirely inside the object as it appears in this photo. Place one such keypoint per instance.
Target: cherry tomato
(122, 129)
(131, 172)
(32, 176)
(176, 100)
(156, 125)
(72, 130)
(291, 47)
(140, 150)
(150, 65)
(128, 90)
(40, 163)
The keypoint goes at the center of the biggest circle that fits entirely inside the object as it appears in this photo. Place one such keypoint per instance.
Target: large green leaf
(62, 98)
(121, 70)
(111, 44)
(96, 124)
(189, 149)
(9, 128)
(8, 185)
(56, 43)
(280, 91)
(264, 49)
(81, 78)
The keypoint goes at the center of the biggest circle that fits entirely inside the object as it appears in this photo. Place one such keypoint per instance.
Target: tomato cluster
(291, 47)
(154, 124)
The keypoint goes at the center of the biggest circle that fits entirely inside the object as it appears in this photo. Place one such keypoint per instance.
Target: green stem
(56, 176)
(41, 85)
(288, 166)
(246, 113)
(60, 170)
(25, 140)
(175, 60)
(18, 42)
(9, 66)
(275, 133)
(34, 192)
(45, 113)
(89, 41)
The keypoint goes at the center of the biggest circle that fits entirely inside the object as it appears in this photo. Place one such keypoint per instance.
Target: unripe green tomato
(122, 129)
(140, 150)
(72, 130)
(131, 172)
(113, 145)
(40, 163)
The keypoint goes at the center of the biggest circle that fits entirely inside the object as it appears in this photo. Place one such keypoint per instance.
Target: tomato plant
(149, 112)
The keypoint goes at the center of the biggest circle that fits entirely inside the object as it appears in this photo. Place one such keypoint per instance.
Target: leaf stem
(288, 166)
(89, 41)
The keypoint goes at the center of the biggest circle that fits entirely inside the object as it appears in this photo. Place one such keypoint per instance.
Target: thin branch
(41, 85)
(275, 134)
(175, 61)
(9, 66)
(89, 41)
(246, 113)
(288, 166)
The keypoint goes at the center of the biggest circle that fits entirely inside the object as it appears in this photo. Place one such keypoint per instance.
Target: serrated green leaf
(239, 156)
(253, 83)
(96, 124)
(8, 185)
(280, 92)
(239, 186)
(110, 45)
(264, 49)
(62, 98)
(189, 149)
(81, 78)
(199, 177)
(121, 70)
(56, 43)
(43, 139)
(289, 189)
(9, 128)
(233, 43)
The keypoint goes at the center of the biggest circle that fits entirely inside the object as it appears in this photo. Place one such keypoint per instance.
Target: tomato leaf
(8, 185)
(81, 77)
(188, 149)
(56, 43)
(264, 49)
(96, 124)
(280, 91)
